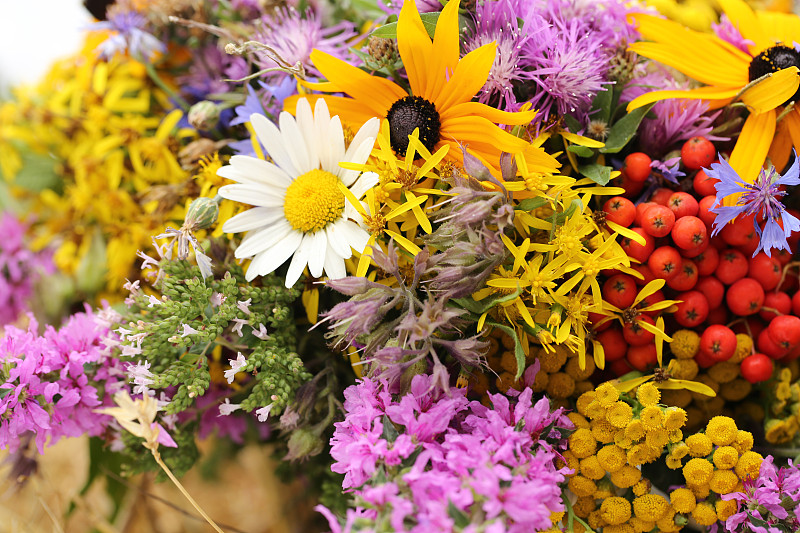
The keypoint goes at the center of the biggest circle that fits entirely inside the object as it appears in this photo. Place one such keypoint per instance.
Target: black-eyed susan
(764, 76)
(440, 104)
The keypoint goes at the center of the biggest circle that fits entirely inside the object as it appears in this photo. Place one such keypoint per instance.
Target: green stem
(151, 71)
(165, 468)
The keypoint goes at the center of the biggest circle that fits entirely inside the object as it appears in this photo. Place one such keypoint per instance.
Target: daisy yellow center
(313, 201)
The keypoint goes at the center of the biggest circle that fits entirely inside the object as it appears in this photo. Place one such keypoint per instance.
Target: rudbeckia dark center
(408, 114)
(773, 59)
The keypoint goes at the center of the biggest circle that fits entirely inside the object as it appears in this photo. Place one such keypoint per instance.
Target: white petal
(335, 147)
(299, 261)
(295, 143)
(264, 239)
(270, 136)
(316, 256)
(257, 217)
(337, 240)
(356, 236)
(367, 181)
(256, 170)
(334, 265)
(267, 262)
(359, 156)
(305, 121)
(369, 130)
(252, 195)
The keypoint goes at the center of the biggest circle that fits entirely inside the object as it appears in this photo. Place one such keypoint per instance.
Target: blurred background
(35, 32)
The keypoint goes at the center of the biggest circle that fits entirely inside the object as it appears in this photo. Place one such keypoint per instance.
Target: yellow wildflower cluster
(616, 434)
(783, 416)
(719, 459)
(118, 174)
(550, 284)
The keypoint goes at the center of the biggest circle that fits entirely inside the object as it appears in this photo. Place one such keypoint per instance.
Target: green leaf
(459, 517)
(481, 306)
(90, 276)
(581, 151)
(624, 130)
(572, 124)
(531, 204)
(38, 172)
(389, 431)
(519, 353)
(389, 31)
(102, 460)
(599, 174)
(602, 105)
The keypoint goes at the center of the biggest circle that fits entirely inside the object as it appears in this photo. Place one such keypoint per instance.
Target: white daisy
(299, 209)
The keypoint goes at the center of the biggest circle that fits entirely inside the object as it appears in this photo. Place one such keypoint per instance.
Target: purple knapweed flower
(128, 35)
(760, 199)
(729, 33)
(293, 36)
(393, 7)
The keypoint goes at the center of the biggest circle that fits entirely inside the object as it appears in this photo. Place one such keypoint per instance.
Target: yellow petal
(580, 140)
(629, 385)
(444, 61)
(649, 289)
(375, 93)
(743, 18)
(402, 241)
(782, 27)
(715, 96)
(694, 386)
(415, 47)
(752, 146)
(467, 79)
(467, 109)
(772, 91)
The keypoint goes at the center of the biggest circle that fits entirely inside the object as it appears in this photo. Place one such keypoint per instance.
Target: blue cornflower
(127, 35)
(760, 199)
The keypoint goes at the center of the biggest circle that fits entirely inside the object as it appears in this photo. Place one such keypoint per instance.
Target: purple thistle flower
(393, 7)
(571, 71)
(128, 35)
(517, 30)
(293, 36)
(760, 199)
(728, 32)
(206, 74)
(675, 119)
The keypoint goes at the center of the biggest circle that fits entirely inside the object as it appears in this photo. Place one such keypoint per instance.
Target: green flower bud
(303, 444)
(202, 213)
(204, 115)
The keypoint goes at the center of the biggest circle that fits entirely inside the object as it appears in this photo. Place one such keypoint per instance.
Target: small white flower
(238, 327)
(188, 330)
(263, 413)
(140, 376)
(261, 333)
(245, 306)
(131, 286)
(236, 365)
(154, 301)
(217, 299)
(148, 262)
(300, 210)
(225, 409)
(129, 351)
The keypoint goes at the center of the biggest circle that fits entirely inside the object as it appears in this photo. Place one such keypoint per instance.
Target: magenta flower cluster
(430, 461)
(19, 269)
(770, 503)
(52, 383)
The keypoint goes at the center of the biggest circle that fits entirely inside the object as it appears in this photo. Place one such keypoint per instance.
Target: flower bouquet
(505, 265)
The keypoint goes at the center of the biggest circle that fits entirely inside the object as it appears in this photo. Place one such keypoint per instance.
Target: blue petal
(792, 176)
(724, 216)
(772, 237)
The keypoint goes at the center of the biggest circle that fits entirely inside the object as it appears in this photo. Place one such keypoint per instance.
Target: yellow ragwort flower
(685, 344)
(611, 458)
(652, 418)
(682, 500)
(619, 414)
(699, 445)
(582, 443)
(725, 457)
(648, 394)
(704, 514)
(626, 477)
(749, 465)
(615, 510)
(723, 481)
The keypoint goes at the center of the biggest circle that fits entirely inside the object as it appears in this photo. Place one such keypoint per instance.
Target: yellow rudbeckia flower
(764, 77)
(440, 106)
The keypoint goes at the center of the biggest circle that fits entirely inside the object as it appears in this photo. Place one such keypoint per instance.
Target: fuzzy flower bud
(204, 115)
(202, 213)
